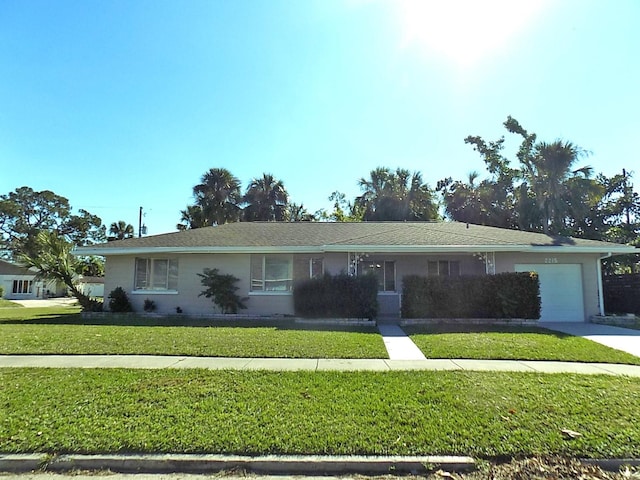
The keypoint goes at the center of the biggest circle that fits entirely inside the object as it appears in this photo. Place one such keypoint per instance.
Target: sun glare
(465, 32)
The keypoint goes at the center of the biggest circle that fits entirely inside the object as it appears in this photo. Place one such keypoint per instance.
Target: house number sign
(550, 260)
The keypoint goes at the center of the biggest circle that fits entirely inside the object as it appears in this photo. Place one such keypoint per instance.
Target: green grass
(511, 343)
(196, 411)
(9, 304)
(62, 331)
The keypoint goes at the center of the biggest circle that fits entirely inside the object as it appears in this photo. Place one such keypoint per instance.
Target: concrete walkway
(624, 339)
(398, 344)
(47, 302)
(309, 364)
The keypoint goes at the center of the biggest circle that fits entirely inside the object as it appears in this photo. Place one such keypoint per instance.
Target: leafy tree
(546, 193)
(120, 230)
(621, 213)
(297, 213)
(90, 266)
(473, 202)
(26, 212)
(221, 288)
(398, 196)
(343, 210)
(54, 261)
(621, 208)
(266, 200)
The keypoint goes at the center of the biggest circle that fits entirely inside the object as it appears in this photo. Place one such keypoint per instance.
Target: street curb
(269, 464)
(613, 464)
(21, 462)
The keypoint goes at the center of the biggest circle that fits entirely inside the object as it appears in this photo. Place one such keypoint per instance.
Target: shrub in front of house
(149, 305)
(339, 296)
(221, 289)
(505, 295)
(119, 301)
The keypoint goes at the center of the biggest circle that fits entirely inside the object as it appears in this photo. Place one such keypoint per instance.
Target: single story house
(269, 258)
(19, 283)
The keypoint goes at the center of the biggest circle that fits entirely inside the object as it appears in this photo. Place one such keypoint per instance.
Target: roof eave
(607, 249)
(84, 251)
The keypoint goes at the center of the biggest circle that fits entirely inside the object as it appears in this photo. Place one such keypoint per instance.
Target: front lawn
(8, 304)
(63, 331)
(378, 413)
(511, 343)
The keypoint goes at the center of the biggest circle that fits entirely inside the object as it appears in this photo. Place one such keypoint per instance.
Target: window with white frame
(157, 274)
(279, 273)
(22, 286)
(385, 272)
(447, 268)
(271, 273)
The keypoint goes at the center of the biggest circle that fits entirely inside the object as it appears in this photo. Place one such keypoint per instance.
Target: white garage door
(560, 291)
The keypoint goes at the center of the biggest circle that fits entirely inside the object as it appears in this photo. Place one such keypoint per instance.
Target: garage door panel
(561, 291)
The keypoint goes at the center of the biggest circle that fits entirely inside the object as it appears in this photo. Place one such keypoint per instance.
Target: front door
(388, 305)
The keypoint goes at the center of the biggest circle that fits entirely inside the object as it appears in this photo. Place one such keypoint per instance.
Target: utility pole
(627, 197)
(140, 224)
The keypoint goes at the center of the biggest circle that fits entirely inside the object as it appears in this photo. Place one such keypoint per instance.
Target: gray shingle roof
(316, 236)
(8, 268)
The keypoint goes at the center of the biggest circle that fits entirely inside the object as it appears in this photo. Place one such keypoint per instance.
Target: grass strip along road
(481, 414)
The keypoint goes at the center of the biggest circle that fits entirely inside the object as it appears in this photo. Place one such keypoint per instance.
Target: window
(271, 273)
(385, 271)
(447, 268)
(156, 274)
(306, 267)
(278, 273)
(22, 286)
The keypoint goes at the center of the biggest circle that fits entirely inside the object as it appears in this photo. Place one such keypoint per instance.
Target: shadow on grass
(182, 321)
(443, 328)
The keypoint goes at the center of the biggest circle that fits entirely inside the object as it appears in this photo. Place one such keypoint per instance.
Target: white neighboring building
(91, 286)
(19, 283)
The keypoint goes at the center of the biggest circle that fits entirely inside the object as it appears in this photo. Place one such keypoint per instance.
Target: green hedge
(340, 296)
(505, 295)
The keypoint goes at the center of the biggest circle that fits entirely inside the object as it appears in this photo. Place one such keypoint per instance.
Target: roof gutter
(81, 251)
(349, 248)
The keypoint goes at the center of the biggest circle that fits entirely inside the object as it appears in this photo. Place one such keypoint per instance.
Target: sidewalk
(47, 302)
(398, 344)
(309, 364)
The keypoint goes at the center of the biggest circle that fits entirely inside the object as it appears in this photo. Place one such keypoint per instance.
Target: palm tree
(218, 196)
(266, 200)
(191, 217)
(398, 195)
(55, 262)
(120, 230)
(547, 172)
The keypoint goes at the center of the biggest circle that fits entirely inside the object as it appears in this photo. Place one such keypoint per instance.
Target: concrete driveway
(624, 339)
(47, 302)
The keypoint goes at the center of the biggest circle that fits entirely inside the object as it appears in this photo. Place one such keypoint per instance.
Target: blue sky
(121, 104)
